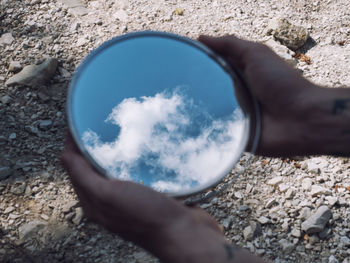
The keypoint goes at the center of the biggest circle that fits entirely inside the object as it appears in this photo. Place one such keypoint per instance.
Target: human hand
(282, 93)
(137, 213)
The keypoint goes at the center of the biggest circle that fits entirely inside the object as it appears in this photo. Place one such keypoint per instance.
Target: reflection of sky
(199, 103)
(166, 141)
(144, 67)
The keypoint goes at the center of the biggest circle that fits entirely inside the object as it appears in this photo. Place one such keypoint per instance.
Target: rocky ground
(287, 210)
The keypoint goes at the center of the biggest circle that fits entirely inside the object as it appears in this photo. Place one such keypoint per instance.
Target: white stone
(275, 181)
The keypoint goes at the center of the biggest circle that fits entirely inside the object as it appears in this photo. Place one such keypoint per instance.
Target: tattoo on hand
(339, 106)
(231, 250)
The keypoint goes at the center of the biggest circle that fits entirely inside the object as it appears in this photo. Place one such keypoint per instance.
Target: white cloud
(155, 131)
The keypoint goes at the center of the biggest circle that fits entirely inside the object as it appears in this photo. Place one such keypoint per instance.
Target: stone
(306, 184)
(9, 209)
(15, 66)
(287, 247)
(319, 190)
(263, 220)
(282, 51)
(5, 99)
(290, 193)
(5, 172)
(121, 15)
(227, 222)
(28, 230)
(13, 136)
(34, 75)
(6, 39)
(251, 231)
(288, 34)
(179, 12)
(275, 181)
(64, 73)
(345, 241)
(45, 124)
(79, 214)
(332, 259)
(325, 233)
(332, 200)
(283, 188)
(69, 205)
(316, 222)
(295, 233)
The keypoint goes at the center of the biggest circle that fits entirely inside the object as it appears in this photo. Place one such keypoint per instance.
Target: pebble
(30, 229)
(316, 222)
(5, 99)
(15, 66)
(121, 15)
(275, 181)
(6, 39)
(306, 184)
(34, 75)
(13, 136)
(263, 220)
(79, 214)
(251, 231)
(9, 210)
(332, 259)
(287, 247)
(295, 233)
(319, 190)
(288, 34)
(45, 124)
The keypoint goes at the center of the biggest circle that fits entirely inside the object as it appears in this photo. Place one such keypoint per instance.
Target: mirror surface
(157, 109)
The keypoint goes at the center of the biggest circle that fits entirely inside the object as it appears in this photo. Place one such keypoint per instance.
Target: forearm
(327, 124)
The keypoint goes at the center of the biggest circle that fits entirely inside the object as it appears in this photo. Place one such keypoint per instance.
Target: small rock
(270, 203)
(287, 246)
(79, 214)
(332, 259)
(179, 12)
(64, 73)
(283, 187)
(319, 190)
(263, 220)
(121, 15)
(345, 241)
(325, 233)
(251, 231)
(9, 210)
(290, 193)
(28, 230)
(12, 136)
(316, 222)
(34, 75)
(295, 233)
(45, 217)
(45, 124)
(5, 99)
(332, 200)
(15, 66)
(287, 34)
(227, 222)
(69, 205)
(275, 181)
(6, 39)
(306, 184)
(238, 195)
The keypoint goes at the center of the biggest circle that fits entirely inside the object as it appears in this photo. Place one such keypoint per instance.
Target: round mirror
(160, 110)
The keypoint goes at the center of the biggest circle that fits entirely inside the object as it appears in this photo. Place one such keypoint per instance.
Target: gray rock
(28, 230)
(5, 172)
(79, 214)
(332, 259)
(34, 75)
(275, 181)
(227, 222)
(345, 241)
(13, 136)
(325, 233)
(263, 220)
(295, 233)
(69, 205)
(306, 184)
(319, 190)
(332, 200)
(288, 34)
(286, 246)
(5, 99)
(45, 124)
(121, 15)
(316, 222)
(6, 39)
(9, 210)
(15, 66)
(251, 231)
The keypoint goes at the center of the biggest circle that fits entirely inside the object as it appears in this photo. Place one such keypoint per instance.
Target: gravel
(40, 217)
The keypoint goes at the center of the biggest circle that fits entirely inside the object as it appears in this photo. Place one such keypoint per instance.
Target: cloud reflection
(167, 142)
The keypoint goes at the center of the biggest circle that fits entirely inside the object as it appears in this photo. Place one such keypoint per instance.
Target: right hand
(282, 92)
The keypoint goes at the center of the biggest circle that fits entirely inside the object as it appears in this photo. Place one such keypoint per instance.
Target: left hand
(137, 213)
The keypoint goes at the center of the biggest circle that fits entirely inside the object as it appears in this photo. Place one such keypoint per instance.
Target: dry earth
(40, 217)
